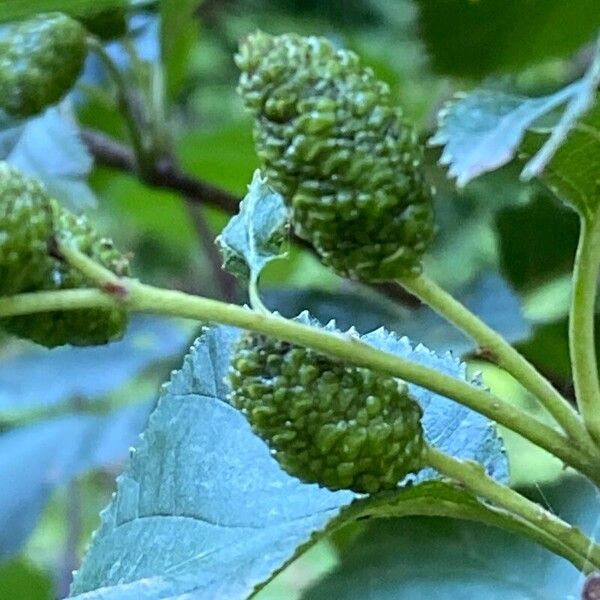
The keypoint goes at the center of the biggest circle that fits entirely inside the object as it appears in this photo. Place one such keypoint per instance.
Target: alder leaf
(206, 494)
(424, 558)
(482, 130)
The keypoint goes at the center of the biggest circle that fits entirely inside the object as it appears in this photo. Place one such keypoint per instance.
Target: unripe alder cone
(40, 60)
(327, 422)
(30, 223)
(347, 163)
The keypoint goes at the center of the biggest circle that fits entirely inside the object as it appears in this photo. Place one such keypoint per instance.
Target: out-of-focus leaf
(20, 580)
(11, 10)
(573, 172)
(49, 147)
(424, 558)
(256, 235)
(488, 296)
(209, 493)
(64, 373)
(537, 241)
(179, 30)
(474, 39)
(37, 458)
(548, 348)
(529, 464)
(482, 130)
(465, 245)
(225, 156)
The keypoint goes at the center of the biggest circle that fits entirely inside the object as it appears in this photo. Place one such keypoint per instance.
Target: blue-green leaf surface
(444, 559)
(482, 130)
(35, 459)
(49, 148)
(204, 492)
(449, 426)
(86, 373)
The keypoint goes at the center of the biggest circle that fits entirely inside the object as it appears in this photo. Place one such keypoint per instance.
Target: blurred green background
(515, 275)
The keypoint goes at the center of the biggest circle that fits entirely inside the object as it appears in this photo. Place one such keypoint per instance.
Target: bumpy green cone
(326, 422)
(26, 224)
(40, 60)
(344, 159)
(30, 222)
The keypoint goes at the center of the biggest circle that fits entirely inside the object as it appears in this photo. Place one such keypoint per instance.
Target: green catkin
(327, 422)
(40, 60)
(30, 224)
(345, 160)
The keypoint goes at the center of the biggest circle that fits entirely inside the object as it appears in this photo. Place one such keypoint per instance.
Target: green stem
(473, 477)
(144, 298)
(504, 354)
(581, 325)
(143, 154)
(95, 272)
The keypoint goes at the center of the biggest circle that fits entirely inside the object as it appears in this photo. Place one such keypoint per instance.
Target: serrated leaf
(206, 493)
(48, 147)
(573, 173)
(448, 426)
(424, 558)
(256, 235)
(482, 130)
(37, 458)
(221, 514)
(87, 373)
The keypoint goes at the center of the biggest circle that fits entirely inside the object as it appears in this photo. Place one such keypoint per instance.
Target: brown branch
(109, 152)
(167, 174)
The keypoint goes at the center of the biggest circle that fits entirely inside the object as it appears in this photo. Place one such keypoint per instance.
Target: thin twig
(225, 282)
(166, 174)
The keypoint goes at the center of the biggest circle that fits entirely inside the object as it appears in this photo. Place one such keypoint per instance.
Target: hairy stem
(504, 354)
(144, 298)
(581, 325)
(473, 477)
